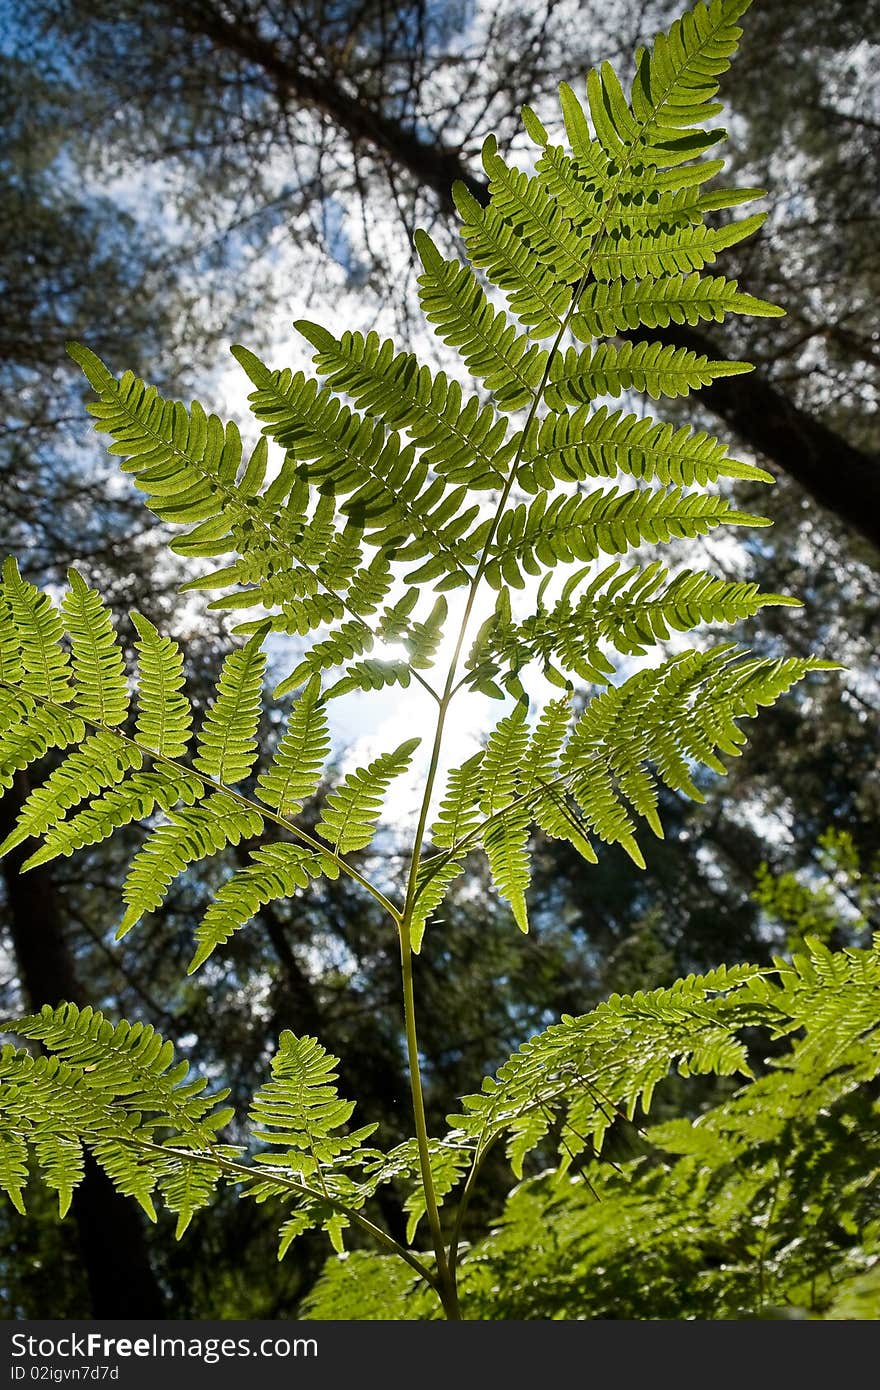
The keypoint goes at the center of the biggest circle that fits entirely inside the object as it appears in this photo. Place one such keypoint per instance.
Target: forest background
(179, 177)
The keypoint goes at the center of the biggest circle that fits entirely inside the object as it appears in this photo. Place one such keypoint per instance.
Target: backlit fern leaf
(99, 763)
(117, 1091)
(98, 665)
(300, 756)
(164, 716)
(608, 370)
(190, 835)
(505, 838)
(36, 628)
(457, 437)
(586, 443)
(301, 1116)
(389, 495)
(274, 872)
(352, 810)
(543, 535)
(226, 747)
(510, 366)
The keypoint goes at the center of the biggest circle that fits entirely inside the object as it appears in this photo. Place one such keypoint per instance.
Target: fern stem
(265, 811)
(242, 1173)
(446, 1279)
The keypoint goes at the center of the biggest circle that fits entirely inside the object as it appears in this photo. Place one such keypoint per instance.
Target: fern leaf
(300, 1112)
(226, 744)
(109, 1088)
(135, 799)
(448, 1165)
(98, 664)
(585, 443)
(164, 716)
(510, 366)
(13, 1169)
(191, 834)
(676, 81)
(300, 756)
(433, 881)
(458, 438)
(276, 871)
(352, 811)
(31, 730)
(609, 307)
(388, 494)
(607, 370)
(682, 714)
(505, 838)
(544, 534)
(38, 627)
(696, 1025)
(459, 810)
(102, 761)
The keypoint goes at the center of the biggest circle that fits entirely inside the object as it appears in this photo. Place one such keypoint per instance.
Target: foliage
(767, 1206)
(371, 513)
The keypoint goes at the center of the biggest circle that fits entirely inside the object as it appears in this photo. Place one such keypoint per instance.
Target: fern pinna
(390, 487)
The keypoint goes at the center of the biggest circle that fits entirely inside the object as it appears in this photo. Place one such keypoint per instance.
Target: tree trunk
(120, 1279)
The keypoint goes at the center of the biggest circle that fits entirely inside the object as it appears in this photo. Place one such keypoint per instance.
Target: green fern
(352, 810)
(390, 485)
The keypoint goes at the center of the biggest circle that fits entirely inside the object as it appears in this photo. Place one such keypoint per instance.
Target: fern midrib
(242, 800)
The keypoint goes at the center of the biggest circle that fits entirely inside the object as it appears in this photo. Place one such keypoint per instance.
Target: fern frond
(190, 835)
(545, 534)
(507, 362)
(585, 443)
(29, 730)
(389, 495)
(352, 810)
(37, 628)
(584, 1071)
(274, 872)
(164, 716)
(135, 799)
(459, 810)
(116, 1090)
(631, 609)
(98, 664)
(226, 747)
(506, 837)
(300, 1114)
(676, 81)
(612, 306)
(682, 714)
(457, 437)
(537, 294)
(101, 762)
(433, 881)
(300, 756)
(609, 369)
